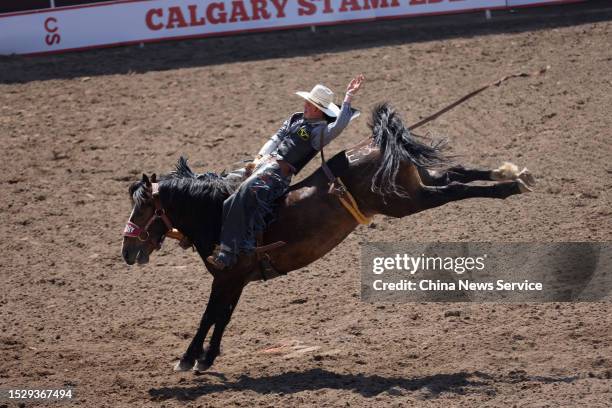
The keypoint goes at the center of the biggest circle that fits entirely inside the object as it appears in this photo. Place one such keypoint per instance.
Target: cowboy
(297, 141)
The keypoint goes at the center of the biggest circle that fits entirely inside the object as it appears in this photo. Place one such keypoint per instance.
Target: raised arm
(332, 130)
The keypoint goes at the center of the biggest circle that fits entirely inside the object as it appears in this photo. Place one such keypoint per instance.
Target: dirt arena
(77, 129)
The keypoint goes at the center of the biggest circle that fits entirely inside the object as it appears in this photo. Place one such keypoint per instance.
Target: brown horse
(389, 173)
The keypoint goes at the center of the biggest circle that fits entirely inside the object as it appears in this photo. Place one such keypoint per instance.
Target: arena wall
(69, 25)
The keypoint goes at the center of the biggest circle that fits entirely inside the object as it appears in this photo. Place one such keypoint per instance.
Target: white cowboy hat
(323, 98)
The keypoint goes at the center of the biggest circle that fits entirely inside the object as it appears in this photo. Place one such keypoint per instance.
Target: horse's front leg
(461, 174)
(194, 351)
(223, 315)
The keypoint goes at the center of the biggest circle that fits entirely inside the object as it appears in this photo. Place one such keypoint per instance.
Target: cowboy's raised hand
(355, 84)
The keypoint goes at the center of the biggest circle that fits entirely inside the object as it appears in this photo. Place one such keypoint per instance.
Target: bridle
(134, 231)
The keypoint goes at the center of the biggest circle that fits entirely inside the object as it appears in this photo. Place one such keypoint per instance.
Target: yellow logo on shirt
(303, 133)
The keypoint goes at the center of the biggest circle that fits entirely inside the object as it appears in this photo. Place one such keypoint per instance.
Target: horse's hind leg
(457, 173)
(432, 196)
(461, 174)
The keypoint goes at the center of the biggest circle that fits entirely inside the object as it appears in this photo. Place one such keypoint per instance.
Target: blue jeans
(244, 212)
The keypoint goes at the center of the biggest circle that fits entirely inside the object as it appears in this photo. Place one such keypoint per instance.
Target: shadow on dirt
(282, 44)
(366, 385)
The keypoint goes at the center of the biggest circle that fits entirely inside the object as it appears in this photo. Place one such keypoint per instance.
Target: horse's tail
(397, 145)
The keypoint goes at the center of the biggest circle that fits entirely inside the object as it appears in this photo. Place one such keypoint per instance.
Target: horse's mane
(182, 181)
(197, 200)
(397, 145)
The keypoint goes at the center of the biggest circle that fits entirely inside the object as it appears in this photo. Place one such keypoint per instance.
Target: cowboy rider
(284, 155)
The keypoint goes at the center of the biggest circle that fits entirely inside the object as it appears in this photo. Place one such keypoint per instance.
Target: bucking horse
(391, 172)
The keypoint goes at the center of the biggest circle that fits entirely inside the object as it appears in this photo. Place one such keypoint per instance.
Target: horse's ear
(145, 180)
(153, 178)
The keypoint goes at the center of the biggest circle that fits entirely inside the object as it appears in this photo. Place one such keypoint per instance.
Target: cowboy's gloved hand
(258, 159)
(353, 87)
(250, 167)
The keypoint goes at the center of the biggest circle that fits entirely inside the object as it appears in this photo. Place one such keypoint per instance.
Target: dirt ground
(77, 129)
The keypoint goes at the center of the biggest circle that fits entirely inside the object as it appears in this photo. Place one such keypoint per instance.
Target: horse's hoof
(201, 365)
(526, 176)
(523, 188)
(183, 365)
(507, 171)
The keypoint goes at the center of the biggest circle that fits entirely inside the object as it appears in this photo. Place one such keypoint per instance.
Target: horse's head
(148, 224)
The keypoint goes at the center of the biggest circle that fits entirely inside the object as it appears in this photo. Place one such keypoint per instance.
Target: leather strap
(134, 231)
(348, 201)
(159, 210)
(269, 247)
(263, 258)
(324, 166)
(474, 93)
(337, 187)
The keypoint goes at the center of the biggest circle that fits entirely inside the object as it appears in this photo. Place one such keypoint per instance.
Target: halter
(134, 231)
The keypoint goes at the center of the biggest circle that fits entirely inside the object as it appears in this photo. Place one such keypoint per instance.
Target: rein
(474, 93)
